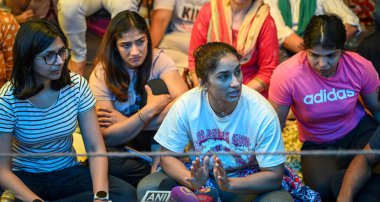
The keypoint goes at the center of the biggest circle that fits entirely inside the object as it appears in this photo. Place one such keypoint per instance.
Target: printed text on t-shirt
(328, 96)
(216, 134)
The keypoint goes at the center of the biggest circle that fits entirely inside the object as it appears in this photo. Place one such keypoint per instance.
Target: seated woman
(126, 62)
(322, 85)
(246, 25)
(222, 115)
(39, 109)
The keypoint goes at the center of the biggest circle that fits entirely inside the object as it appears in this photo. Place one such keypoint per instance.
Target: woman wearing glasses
(322, 85)
(39, 109)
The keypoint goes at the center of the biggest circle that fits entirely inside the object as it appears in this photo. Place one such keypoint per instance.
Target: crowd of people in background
(197, 75)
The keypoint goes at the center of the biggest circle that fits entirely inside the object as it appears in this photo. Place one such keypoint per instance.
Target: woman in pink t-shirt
(322, 86)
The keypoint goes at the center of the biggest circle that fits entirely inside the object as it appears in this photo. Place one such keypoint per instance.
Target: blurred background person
(171, 25)
(8, 30)
(246, 25)
(369, 47)
(72, 19)
(25, 10)
(292, 16)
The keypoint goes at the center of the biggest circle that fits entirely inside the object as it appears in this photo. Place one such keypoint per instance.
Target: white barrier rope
(153, 154)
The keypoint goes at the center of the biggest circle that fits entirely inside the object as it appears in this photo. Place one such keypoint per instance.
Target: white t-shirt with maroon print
(252, 126)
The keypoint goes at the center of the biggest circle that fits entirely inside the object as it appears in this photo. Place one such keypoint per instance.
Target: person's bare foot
(77, 67)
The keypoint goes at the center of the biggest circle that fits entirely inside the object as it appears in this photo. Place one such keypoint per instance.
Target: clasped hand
(108, 117)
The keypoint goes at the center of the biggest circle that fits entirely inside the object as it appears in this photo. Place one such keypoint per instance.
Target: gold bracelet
(141, 117)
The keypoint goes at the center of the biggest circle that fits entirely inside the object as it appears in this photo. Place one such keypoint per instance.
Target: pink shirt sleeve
(161, 64)
(98, 84)
(281, 86)
(370, 78)
(199, 32)
(267, 50)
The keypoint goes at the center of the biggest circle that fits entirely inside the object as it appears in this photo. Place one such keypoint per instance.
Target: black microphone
(7, 196)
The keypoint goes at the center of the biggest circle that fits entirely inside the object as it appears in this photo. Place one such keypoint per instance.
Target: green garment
(307, 10)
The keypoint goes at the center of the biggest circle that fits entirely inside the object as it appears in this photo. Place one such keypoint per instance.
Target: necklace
(224, 113)
(220, 114)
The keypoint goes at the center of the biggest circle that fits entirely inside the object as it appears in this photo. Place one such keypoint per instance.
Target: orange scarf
(220, 28)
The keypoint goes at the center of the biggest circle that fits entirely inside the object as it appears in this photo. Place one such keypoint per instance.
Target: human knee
(116, 6)
(69, 8)
(274, 196)
(121, 190)
(153, 182)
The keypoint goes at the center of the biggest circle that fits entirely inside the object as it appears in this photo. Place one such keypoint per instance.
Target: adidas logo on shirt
(325, 96)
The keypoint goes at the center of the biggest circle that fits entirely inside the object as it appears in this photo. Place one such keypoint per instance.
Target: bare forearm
(10, 181)
(157, 36)
(175, 169)
(99, 173)
(124, 131)
(257, 85)
(160, 21)
(156, 121)
(293, 43)
(351, 31)
(356, 176)
(98, 165)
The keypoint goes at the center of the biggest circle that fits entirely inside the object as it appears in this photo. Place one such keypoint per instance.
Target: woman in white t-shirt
(128, 112)
(222, 115)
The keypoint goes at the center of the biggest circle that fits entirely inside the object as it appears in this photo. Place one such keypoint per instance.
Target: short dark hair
(207, 57)
(327, 31)
(116, 77)
(32, 38)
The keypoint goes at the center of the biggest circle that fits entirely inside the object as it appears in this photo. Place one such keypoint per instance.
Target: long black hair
(116, 76)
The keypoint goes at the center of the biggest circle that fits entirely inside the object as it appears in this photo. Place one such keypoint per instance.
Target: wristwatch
(101, 196)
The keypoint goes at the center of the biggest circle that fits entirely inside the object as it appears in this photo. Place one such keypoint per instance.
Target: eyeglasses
(51, 58)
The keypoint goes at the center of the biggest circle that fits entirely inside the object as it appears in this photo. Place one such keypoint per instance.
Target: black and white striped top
(44, 130)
